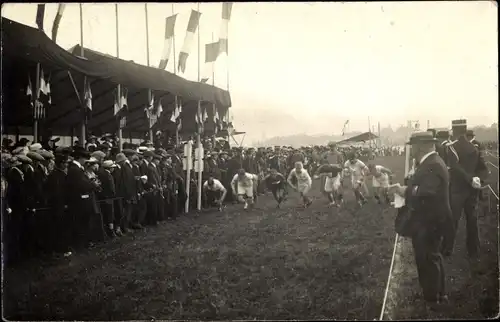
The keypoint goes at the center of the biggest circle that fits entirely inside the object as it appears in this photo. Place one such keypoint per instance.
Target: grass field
(268, 263)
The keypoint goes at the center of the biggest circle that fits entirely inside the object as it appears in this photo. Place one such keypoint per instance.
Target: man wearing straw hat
(468, 173)
(427, 200)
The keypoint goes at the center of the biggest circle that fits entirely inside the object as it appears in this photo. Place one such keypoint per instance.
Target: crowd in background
(61, 199)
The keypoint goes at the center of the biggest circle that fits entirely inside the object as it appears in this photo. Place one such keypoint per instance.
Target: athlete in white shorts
(381, 181)
(333, 186)
(357, 169)
(243, 186)
(300, 180)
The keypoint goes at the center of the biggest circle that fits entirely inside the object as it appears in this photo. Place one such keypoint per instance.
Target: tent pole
(147, 61)
(84, 114)
(175, 98)
(118, 87)
(200, 157)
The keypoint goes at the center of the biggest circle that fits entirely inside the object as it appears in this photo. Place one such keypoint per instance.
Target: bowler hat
(421, 137)
(442, 134)
(80, 152)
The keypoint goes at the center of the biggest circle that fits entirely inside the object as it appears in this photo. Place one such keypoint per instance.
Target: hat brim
(416, 141)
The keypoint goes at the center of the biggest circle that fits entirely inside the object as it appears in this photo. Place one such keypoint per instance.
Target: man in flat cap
(107, 195)
(151, 172)
(468, 172)
(427, 201)
(127, 190)
(60, 230)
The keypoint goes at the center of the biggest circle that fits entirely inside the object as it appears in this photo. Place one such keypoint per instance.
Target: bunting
(87, 96)
(120, 104)
(153, 111)
(57, 20)
(200, 117)
(192, 26)
(227, 7)
(169, 40)
(343, 129)
(40, 15)
(212, 51)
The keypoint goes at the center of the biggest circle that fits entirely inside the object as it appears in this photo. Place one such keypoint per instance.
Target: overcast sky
(391, 61)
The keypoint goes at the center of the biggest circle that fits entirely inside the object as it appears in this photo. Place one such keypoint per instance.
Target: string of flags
(153, 111)
(43, 97)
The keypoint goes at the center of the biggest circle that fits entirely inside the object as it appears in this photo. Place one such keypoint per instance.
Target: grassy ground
(290, 263)
(317, 263)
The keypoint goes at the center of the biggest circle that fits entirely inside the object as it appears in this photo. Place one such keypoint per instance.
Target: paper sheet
(398, 201)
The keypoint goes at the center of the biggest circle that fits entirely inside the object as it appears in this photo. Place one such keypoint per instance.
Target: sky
(322, 63)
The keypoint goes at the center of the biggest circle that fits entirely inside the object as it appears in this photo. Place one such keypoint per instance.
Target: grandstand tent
(24, 47)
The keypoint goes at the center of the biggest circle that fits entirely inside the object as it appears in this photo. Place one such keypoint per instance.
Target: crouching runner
(301, 181)
(381, 180)
(214, 192)
(333, 185)
(357, 169)
(276, 183)
(243, 186)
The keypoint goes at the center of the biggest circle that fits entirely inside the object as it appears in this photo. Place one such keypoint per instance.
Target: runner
(276, 182)
(214, 192)
(357, 169)
(332, 189)
(301, 181)
(381, 180)
(243, 186)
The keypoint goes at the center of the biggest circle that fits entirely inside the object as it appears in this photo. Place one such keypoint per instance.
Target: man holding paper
(427, 200)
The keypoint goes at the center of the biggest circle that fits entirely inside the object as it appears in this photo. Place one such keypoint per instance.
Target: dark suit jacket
(153, 176)
(56, 189)
(108, 189)
(128, 187)
(79, 190)
(465, 162)
(427, 193)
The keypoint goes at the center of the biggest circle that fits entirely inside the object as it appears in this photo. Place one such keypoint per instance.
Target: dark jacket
(427, 193)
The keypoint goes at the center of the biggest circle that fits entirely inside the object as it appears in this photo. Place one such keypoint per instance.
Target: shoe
(119, 232)
(245, 206)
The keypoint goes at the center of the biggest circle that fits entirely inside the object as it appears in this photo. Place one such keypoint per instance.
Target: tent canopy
(24, 47)
(363, 137)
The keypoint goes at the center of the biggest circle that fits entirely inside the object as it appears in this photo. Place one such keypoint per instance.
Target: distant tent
(363, 137)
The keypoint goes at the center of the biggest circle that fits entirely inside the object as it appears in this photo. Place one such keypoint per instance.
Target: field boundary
(390, 300)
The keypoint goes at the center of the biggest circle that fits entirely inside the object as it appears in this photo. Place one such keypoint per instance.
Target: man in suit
(468, 172)
(427, 199)
(127, 190)
(79, 190)
(442, 138)
(149, 169)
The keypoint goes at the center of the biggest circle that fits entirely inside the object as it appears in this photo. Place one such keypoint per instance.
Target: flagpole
(118, 87)
(36, 104)
(200, 156)
(227, 76)
(176, 102)
(150, 94)
(84, 112)
(213, 84)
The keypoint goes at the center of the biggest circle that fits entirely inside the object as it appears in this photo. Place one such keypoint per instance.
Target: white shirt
(245, 181)
(217, 186)
(355, 169)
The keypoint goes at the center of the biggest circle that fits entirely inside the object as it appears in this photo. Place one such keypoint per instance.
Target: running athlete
(332, 189)
(357, 169)
(381, 180)
(214, 192)
(276, 182)
(301, 181)
(243, 186)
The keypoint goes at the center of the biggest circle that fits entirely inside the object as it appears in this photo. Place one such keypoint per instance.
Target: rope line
(389, 278)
